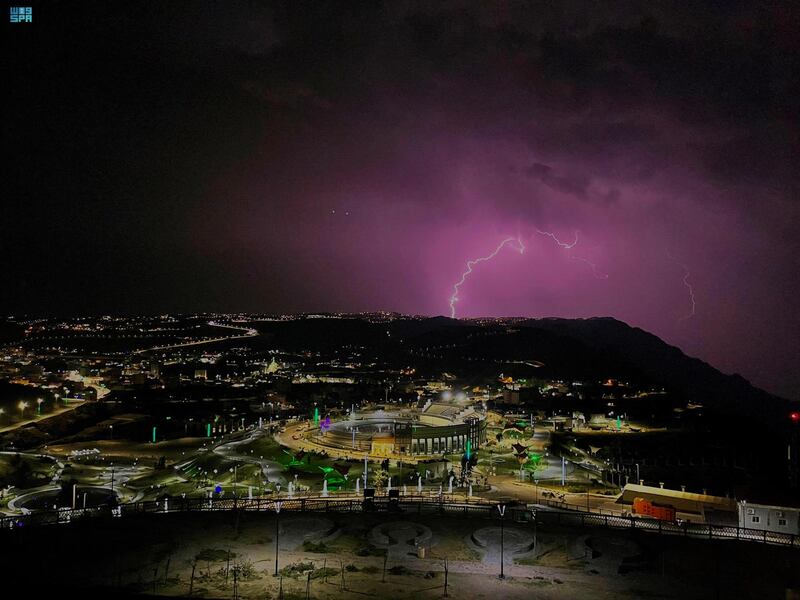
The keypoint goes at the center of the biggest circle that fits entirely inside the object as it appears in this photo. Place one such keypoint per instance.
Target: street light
(277, 533)
(22, 406)
(39, 408)
(502, 510)
(233, 470)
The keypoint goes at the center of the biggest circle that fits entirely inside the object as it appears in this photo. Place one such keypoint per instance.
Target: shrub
(214, 554)
(310, 546)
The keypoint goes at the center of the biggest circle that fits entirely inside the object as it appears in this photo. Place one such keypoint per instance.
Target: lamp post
(277, 533)
(39, 407)
(502, 510)
(637, 473)
(22, 406)
(235, 480)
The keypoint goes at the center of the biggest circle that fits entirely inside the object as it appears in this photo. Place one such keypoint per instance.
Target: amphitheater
(435, 428)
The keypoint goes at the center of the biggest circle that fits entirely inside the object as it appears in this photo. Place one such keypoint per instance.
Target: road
(249, 332)
(58, 411)
(272, 470)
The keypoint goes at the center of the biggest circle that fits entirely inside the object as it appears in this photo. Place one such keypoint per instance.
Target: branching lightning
(516, 241)
(519, 245)
(569, 246)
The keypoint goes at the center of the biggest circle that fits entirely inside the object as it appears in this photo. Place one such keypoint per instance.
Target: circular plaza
(436, 428)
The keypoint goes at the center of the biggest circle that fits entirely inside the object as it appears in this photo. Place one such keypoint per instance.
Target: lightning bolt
(569, 246)
(687, 285)
(564, 245)
(595, 271)
(686, 275)
(517, 241)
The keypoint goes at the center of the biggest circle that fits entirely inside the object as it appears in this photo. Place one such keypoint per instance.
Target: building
(438, 429)
(516, 394)
(763, 517)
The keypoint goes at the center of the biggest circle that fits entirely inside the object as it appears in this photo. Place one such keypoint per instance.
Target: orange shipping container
(645, 507)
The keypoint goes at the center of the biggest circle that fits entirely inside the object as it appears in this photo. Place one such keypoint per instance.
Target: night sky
(228, 156)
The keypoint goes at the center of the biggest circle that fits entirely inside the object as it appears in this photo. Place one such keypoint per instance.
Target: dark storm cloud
(323, 155)
(573, 186)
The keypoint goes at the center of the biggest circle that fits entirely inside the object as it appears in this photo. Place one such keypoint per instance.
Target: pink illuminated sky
(279, 159)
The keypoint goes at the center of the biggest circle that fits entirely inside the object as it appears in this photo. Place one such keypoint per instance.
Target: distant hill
(568, 348)
(666, 364)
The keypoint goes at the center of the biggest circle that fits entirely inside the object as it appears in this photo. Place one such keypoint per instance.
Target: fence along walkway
(408, 505)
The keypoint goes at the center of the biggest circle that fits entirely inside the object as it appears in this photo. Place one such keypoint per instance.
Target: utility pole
(445, 577)
(502, 509)
(277, 535)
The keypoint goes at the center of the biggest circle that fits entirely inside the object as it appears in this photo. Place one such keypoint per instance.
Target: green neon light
(154, 434)
(316, 417)
(208, 429)
(469, 449)
(619, 423)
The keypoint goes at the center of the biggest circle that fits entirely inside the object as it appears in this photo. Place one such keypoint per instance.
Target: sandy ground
(158, 553)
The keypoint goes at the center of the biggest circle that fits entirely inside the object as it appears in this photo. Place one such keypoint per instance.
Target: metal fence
(407, 505)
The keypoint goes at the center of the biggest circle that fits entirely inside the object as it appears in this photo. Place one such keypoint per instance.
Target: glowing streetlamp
(22, 406)
(39, 407)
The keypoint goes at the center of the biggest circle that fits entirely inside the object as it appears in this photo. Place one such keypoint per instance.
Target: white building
(763, 517)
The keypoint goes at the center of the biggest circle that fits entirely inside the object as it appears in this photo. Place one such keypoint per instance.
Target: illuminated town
(252, 341)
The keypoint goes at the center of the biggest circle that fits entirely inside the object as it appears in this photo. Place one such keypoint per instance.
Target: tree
(534, 464)
(21, 473)
(379, 478)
